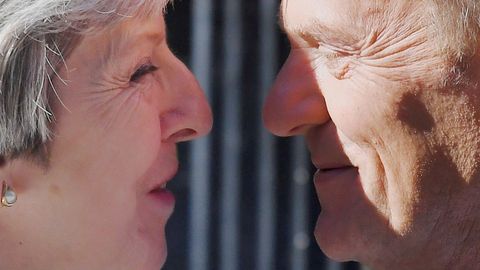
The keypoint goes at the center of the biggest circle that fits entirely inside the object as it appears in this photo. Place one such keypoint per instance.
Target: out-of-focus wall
(245, 199)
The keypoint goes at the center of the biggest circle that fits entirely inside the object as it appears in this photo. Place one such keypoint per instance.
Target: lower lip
(163, 198)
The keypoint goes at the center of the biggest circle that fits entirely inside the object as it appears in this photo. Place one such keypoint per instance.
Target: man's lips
(329, 170)
(332, 169)
(326, 166)
(332, 174)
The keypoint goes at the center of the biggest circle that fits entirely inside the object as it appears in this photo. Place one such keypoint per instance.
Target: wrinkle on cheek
(337, 62)
(382, 187)
(340, 68)
(117, 109)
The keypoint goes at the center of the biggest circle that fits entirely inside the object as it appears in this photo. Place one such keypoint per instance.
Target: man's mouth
(332, 169)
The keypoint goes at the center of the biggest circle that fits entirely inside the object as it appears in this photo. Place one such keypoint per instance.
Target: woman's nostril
(182, 135)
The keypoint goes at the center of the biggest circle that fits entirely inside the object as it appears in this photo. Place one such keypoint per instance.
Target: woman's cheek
(140, 134)
(121, 131)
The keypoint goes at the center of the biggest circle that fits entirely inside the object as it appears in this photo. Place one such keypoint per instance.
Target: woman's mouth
(160, 200)
(163, 197)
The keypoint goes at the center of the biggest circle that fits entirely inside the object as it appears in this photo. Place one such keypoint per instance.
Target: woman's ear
(3, 169)
(8, 196)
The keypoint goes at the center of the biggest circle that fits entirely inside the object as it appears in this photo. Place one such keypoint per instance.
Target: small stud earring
(8, 197)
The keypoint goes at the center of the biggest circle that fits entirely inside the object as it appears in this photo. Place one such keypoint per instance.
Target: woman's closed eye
(142, 71)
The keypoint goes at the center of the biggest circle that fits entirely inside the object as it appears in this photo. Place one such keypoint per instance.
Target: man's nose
(295, 103)
(190, 115)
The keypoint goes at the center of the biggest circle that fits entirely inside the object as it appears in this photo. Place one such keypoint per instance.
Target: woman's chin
(148, 247)
(154, 258)
(158, 261)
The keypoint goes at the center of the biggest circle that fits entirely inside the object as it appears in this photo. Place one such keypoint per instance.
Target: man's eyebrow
(317, 30)
(327, 34)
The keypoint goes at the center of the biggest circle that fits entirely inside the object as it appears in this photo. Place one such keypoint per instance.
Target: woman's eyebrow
(116, 48)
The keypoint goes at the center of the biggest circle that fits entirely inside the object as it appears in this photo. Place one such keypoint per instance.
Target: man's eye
(141, 71)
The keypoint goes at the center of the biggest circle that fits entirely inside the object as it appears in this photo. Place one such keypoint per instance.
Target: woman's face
(124, 101)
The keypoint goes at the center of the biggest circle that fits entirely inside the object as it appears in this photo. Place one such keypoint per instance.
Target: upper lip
(167, 175)
(329, 165)
(326, 150)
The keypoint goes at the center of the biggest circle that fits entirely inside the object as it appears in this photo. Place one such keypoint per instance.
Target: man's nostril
(298, 130)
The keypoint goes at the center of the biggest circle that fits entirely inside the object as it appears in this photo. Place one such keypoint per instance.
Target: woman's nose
(191, 116)
(294, 103)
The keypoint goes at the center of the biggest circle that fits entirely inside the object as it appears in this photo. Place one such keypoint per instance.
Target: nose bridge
(295, 101)
(189, 114)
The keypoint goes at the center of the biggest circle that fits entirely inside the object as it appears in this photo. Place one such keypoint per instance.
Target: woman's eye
(141, 71)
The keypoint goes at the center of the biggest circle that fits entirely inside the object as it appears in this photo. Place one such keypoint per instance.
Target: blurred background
(245, 199)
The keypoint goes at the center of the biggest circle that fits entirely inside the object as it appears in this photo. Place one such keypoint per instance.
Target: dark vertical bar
(300, 237)
(231, 139)
(266, 198)
(202, 19)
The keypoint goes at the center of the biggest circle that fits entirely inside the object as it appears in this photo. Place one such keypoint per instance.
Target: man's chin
(333, 239)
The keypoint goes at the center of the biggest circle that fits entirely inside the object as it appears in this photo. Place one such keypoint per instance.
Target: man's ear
(466, 73)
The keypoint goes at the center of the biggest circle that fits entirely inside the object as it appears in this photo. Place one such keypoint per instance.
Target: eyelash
(142, 71)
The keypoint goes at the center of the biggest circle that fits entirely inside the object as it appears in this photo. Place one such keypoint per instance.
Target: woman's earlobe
(8, 196)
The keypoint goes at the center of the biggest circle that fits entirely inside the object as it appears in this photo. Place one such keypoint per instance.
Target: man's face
(393, 147)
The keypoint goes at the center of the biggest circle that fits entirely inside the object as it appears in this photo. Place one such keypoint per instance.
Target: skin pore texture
(397, 148)
(126, 102)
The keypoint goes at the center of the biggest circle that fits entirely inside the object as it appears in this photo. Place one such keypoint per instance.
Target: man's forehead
(341, 20)
(316, 18)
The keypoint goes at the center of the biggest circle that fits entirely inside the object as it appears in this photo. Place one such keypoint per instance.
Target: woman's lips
(164, 197)
(159, 197)
(161, 202)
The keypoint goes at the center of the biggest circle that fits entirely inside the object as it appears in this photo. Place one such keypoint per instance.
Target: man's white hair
(35, 38)
(457, 27)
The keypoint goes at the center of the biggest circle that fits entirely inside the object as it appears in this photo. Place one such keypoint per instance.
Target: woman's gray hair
(35, 38)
